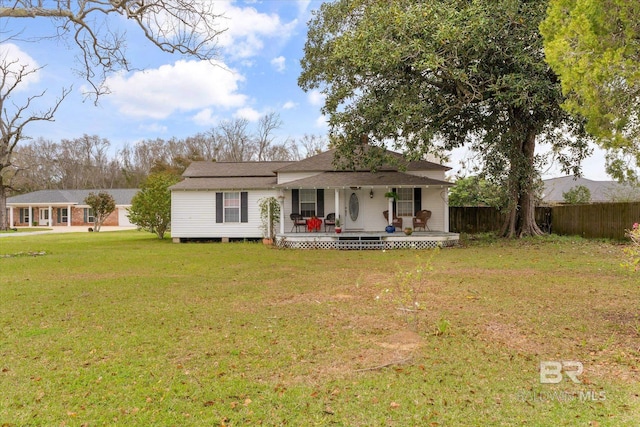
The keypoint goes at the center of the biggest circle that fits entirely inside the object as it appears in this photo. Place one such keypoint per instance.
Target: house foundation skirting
(364, 241)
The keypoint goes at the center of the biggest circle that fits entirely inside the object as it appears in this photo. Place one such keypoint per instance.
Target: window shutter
(320, 202)
(295, 201)
(59, 215)
(417, 199)
(85, 212)
(395, 210)
(244, 206)
(21, 215)
(219, 208)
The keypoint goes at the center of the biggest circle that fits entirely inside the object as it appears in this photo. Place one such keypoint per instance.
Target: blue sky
(174, 96)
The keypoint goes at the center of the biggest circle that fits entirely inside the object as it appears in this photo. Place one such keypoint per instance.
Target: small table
(314, 224)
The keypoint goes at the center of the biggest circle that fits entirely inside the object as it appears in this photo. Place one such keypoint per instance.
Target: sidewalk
(63, 229)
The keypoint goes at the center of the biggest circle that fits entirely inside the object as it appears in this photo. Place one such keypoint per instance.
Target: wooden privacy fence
(600, 220)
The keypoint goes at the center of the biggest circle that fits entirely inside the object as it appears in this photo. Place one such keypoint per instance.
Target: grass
(120, 328)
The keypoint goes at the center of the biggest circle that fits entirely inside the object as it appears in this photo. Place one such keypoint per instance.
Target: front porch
(359, 240)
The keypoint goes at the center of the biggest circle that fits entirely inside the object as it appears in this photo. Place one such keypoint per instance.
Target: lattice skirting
(282, 242)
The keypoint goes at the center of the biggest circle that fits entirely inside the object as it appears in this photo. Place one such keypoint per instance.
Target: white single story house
(219, 200)
(60, 208)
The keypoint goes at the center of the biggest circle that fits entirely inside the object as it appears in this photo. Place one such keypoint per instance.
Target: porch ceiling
(364, 179)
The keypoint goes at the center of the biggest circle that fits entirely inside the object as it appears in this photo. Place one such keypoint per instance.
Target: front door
(355, 210)
(44, 217)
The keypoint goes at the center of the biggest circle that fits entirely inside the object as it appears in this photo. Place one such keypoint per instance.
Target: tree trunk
(4, 220)
(521, 221)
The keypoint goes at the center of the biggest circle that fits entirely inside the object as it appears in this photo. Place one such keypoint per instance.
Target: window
(232, 207)
(24, 215)
(63, 215)
(308, 202)
(88, 215)
(404, 202)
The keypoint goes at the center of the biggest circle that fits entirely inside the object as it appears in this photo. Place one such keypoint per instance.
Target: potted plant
(391, 195)
(337, 226)
(408, 231)
(269, 215)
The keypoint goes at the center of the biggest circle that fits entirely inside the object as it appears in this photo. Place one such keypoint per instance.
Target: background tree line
(90, 161)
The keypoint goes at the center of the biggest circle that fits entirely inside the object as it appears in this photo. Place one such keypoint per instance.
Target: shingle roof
(324, 162)
(231, 169)
(601, 191)
(72, 197)
(358, 179)
(260, 175)
(230, 183)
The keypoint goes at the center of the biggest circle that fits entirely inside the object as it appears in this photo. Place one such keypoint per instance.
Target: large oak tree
(433, 76)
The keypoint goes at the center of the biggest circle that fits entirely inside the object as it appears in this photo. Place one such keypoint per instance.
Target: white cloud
(248, 113)
(316, 98)
(279, 63)
(15, 58)
(289, 105)
(183, 86)
(322, 122)
(247, 27)
(154, 128)
(205, 118)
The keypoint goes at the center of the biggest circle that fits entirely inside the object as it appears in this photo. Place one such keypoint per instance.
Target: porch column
(30, 215)
(281, 202)
(336, 206)
(446, 210)
(11, 217)
(50, 216)
(68, 215)
(390, 199)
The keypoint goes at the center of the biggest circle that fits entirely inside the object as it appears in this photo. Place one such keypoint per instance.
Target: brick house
(60, 208)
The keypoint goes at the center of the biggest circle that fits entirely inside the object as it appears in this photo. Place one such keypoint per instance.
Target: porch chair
(329, 221)
(298, 221)
(396, 222)
(420, 220)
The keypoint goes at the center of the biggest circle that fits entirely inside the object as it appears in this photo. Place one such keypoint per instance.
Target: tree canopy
(433, 76)
(102, 204)
(477, 191)
(593, 46)
(151, 206)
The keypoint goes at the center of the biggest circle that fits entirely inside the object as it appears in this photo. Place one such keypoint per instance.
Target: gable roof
(203, 169)
(203, 175)
(324, 162)
(121, 196)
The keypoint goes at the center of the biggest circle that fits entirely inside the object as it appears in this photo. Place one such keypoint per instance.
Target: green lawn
(122, 329)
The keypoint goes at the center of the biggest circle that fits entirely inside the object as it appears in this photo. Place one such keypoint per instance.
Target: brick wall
(77, 217)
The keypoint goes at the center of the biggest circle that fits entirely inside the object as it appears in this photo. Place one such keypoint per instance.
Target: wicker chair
(329, 221)
(298, 221)
(397, 222)
(420, 220)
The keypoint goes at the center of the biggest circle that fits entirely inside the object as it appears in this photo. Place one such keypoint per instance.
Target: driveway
(63, 229)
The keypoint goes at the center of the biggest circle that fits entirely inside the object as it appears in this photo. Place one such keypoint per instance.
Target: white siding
(193, 215)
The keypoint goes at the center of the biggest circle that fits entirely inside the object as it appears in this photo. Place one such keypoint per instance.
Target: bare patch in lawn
(511, 337)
